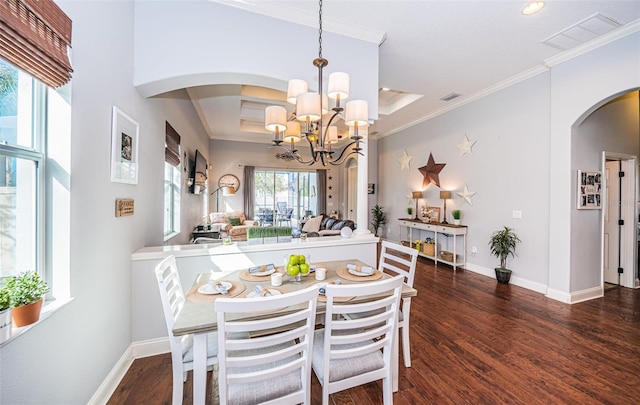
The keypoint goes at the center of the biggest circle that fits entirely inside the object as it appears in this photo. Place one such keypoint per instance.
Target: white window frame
(176, 190)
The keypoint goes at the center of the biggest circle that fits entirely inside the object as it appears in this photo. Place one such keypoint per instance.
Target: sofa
(324, 225)
(234, 224)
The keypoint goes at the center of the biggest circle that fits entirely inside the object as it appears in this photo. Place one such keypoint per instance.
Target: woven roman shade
(34, 35)
(172, 146)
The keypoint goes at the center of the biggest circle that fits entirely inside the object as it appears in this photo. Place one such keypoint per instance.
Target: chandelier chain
(320, 31)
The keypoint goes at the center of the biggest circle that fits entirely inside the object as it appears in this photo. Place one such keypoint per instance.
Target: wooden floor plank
(475, 341)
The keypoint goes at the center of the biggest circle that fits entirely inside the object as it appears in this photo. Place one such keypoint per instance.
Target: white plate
(211, 290)
(254, 294)
(359, 274)
(262, 273)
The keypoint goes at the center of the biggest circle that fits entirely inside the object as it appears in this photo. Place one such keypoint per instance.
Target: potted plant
(5, 314)
(378, 218)
(502, 244)
(410, 211)
(456, 217)
(27, 291)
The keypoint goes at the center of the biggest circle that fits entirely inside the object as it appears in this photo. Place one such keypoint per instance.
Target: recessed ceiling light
(385, 89)
(533, 7)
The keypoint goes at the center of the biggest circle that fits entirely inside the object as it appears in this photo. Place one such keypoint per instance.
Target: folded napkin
(261, 269)
(218, 286)
(263, 292)
(361, 269)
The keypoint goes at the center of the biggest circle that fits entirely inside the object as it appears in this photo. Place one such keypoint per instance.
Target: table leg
(395, 358)
(199, 368)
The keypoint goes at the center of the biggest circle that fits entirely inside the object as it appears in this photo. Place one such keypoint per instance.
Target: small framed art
(124, 148)
(589, 193)
(429, 214)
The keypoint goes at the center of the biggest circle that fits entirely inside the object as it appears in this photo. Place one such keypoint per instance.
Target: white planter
(456, 222)
(5, 325)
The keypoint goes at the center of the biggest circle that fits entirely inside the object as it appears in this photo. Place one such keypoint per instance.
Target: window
(278, 190)
(171, 200)
(23, 102)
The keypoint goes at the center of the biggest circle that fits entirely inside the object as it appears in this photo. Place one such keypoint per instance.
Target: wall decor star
(466, 195)
(409, 196)
(465, 146)
(404, 160)
(431, 171)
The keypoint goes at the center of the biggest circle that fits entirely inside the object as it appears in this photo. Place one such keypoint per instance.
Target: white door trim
(629, 236)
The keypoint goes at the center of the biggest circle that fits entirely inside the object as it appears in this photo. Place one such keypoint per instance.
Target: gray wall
(64, 359)
(614, 127)
(506, 170)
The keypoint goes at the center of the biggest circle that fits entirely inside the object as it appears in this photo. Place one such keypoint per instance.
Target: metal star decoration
(465, 146)
(410, 199)
(431, 171)
(466, 195)
(404, 160)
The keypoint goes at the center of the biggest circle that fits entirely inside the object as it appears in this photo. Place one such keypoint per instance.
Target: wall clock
(229, 180)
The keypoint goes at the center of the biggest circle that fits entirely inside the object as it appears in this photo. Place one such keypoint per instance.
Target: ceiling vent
(450, 96)
(581, 32)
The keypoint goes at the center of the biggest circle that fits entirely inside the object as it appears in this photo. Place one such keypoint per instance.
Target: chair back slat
(390, 261)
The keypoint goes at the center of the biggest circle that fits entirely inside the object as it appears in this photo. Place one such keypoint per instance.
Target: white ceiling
(432, 49)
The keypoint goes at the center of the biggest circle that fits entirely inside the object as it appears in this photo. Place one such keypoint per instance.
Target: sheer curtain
(322, 191)
(249, 195)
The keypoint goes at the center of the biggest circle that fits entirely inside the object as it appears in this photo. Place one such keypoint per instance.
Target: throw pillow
(235, 221)
(312, 225)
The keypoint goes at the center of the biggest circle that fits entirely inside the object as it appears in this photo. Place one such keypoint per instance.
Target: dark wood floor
(477, 342)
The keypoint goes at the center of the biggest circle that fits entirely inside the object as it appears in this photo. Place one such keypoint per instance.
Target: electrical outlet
(517, 214)
(474, 250)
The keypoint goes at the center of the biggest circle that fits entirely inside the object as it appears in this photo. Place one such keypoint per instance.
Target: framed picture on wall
(589, 193)
(124, 148)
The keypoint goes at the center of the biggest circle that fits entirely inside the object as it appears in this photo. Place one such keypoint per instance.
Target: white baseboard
(110, 383)
(585, 295)
(558, 295)
(519, 281)
(136, 350)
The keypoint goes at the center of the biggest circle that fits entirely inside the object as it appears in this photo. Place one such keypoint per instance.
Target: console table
(440, 232)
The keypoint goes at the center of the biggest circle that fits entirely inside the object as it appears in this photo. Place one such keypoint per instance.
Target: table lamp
(417, 195)
(445, 195)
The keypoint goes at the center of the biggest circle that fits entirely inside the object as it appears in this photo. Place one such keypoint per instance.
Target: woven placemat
(321, 297)
(343, 272)
(236, 289)
(246, 276)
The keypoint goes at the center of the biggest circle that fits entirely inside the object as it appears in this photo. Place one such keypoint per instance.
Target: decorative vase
(503, 275)
(5, 325)
(27, 314)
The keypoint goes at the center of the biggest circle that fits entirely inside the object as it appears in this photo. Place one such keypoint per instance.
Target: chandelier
(312, 112)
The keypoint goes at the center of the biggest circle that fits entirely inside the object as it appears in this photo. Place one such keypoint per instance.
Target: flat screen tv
(199, 174)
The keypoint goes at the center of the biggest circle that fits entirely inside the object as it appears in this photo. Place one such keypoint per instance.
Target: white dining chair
(173, 298)
(353, 351)
(405, 267)
(266, 359)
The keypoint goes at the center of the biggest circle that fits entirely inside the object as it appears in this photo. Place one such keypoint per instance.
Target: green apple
(294, 259)
(293, 269)
(302, 259)
(304, 268)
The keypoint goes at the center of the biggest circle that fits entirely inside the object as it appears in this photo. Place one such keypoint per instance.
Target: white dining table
(199, 318)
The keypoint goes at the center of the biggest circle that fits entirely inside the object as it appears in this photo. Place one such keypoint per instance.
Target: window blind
(171, 146)
(34, 35)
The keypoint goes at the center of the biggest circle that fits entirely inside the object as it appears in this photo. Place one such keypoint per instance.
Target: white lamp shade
(357, 113)
(275, 118)
(332, 134)
(308, 106)
(363, 131)
(295, 88)
(338, 85)
(292, 134)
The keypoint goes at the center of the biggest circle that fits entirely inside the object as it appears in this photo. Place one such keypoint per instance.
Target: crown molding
(297, 16)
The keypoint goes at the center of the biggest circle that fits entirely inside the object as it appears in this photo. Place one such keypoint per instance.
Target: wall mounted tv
(199, 174)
